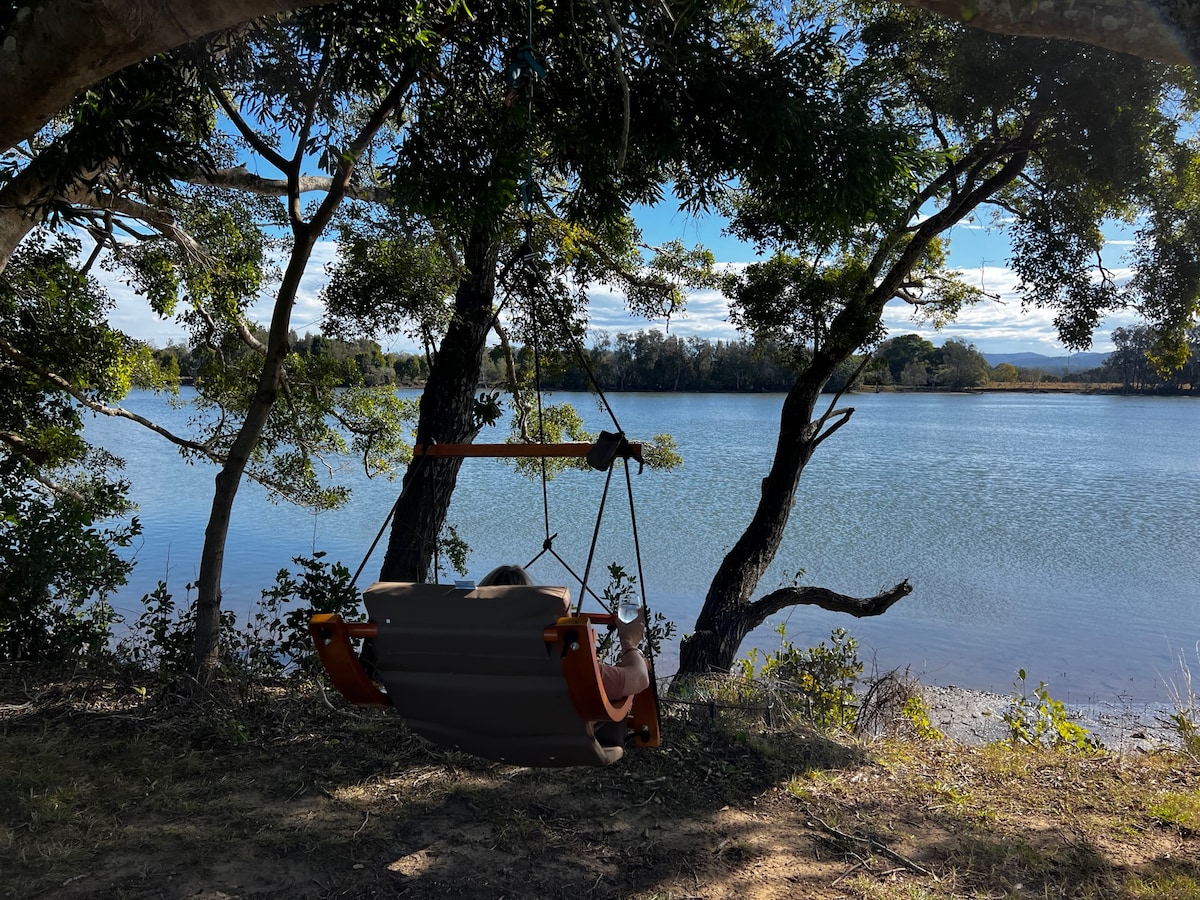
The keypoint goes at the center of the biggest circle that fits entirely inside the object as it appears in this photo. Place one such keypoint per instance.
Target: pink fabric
(630, 676)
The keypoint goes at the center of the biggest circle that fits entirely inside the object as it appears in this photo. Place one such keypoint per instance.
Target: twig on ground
(871, 843)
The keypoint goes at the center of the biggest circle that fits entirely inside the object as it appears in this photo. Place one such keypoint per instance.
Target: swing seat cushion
(470, 670)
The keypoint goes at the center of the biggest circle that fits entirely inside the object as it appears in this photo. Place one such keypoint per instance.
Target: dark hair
(505, 575)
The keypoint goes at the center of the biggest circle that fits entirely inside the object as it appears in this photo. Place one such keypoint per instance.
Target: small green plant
(659, 628)
(1185, 720)
(454, 550)
(1037, 719)
(271, 641)
(275, 640)
(1178, 810)
(817, 684)
(917, 714)
(162, 638)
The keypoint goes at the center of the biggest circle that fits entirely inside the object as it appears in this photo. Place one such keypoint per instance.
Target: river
(1055, 533)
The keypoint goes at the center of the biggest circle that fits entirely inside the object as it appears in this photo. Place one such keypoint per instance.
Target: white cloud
(997, 326)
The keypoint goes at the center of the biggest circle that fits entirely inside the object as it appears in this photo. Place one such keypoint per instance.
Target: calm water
(1054, 533)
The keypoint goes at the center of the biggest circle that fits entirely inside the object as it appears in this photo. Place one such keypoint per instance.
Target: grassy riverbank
(274, 793)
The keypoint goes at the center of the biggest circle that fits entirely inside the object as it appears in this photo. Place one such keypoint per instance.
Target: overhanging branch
(859, 607)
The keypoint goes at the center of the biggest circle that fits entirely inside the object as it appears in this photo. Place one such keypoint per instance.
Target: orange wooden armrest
(537, 451)
(643, 719)
(332, 638)
(643, 716)
(576, 644)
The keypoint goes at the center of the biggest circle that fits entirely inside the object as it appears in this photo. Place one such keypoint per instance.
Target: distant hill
(1051, 365)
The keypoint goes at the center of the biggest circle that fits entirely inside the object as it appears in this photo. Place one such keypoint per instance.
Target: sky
(993, 326)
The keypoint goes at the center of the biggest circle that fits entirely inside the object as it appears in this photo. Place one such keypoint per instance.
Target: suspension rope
(523, 73)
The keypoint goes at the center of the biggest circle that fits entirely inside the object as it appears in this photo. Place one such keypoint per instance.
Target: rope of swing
(525, 71)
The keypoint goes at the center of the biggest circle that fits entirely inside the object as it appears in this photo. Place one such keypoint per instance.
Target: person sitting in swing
(629, 676)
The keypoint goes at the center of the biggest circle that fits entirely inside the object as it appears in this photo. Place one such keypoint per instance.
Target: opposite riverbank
(270, 792)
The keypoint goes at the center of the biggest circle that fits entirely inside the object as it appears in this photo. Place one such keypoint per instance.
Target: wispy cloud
(1000, 325)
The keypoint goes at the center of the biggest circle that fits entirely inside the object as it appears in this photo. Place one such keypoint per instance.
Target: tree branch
(54, 49)
(242, 179)
(826, 599)
(1125, 26)
(253, 138)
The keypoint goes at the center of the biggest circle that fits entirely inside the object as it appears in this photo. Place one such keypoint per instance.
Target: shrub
(1039, 720)
(816, 685)
(273, 640)
(58, 568)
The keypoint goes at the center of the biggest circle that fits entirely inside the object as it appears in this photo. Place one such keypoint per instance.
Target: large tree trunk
(53, 50)
(446, 417)
(1167, 31)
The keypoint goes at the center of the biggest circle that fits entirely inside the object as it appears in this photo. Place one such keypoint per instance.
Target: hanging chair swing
(506, 672)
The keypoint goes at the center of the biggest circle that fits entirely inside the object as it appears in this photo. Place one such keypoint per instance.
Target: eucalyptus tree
(1057, 138)
(52, 50)
(1167, 31)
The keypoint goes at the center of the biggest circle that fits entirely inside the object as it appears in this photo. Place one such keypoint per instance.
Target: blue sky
(992, 326)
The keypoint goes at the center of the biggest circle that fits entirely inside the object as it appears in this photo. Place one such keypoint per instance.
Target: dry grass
(273, 793)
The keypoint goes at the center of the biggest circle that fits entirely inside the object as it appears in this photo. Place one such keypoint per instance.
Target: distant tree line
(911, 361)
(650, 360)
(363, 360)
(1130, 365)
(653, 361)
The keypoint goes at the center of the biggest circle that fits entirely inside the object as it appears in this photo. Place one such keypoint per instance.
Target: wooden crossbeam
(536, 451)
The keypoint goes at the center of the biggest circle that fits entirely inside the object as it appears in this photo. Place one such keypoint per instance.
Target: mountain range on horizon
(1051, 365)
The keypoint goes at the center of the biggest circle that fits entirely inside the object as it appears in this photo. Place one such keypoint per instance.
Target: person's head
(505, 575)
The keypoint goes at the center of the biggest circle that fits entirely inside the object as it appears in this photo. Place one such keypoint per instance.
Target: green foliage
(58, 567)
(453, 549)
(659, 628)
(273, 640)
(58, 563)
(144, 126)
(160, 640)
(916, 713)
(1039, 720)
(386, 279)
(1178, 810)
(816, 685)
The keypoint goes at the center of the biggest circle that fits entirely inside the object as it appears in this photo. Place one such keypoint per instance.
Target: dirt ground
(275, 793)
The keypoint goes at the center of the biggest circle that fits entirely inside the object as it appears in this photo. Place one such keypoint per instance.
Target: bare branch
(827, 599)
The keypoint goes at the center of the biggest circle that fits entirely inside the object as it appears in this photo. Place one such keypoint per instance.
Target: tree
(52, 50)
(905, 352)
(321, 84)
(1005, 373)
(1168, 31)
(960, 366)
(58, 563)
(1130, 362)
(697, 96)
(1060, 136)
